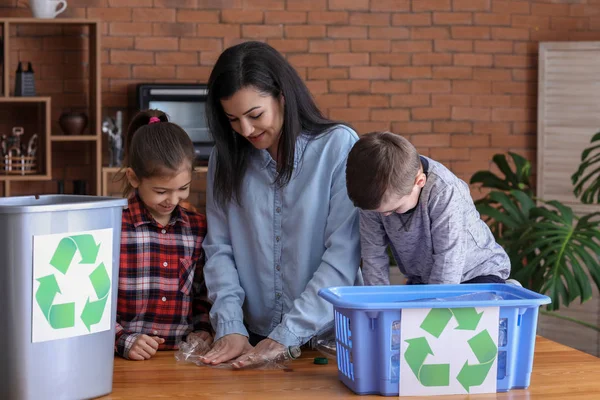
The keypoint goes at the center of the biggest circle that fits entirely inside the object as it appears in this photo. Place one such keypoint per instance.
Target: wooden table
(559, 372)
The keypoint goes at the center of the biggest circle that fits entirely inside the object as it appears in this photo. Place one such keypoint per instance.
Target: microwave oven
(185, 105)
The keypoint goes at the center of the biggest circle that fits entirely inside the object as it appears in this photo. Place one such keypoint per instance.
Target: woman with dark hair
(280, 224)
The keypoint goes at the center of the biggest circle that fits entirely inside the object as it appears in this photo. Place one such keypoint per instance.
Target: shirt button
(164, 231)
(155, 332)
(164, 299)
(278, 295)
(278, 267)
(277, 238)
(165, 264)
(278, 209)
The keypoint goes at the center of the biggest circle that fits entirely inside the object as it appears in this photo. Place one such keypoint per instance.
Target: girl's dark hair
(155, 149)
(260, 66)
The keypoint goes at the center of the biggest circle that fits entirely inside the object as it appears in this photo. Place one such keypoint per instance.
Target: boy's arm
(374, 243)
(449, 233)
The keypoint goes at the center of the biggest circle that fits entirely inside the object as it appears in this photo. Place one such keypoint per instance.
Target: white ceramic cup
(47, 8)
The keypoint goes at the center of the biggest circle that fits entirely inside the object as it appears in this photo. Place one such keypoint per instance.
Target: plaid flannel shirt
(161, 281)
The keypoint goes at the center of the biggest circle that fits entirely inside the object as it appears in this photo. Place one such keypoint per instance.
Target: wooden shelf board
(117, 169)
(45, 177)
(54, 21)
(24, 99)
(74, 138)
(111, 169)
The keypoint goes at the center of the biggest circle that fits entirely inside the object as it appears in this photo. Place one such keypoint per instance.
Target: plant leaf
(590, 163)
(581, 277)
(502, 164)
(489, 180)
(523, 168)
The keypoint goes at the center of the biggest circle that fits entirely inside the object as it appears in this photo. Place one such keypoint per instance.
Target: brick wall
(457, 77)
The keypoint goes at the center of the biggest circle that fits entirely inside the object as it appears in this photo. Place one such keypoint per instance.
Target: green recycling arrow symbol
(485, 350)
(61, 316)
(93, 310)
(61, 260)
(431, 374)
(435, 322)
(438, 318)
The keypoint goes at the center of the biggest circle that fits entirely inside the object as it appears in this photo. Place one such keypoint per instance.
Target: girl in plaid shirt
(162, 295)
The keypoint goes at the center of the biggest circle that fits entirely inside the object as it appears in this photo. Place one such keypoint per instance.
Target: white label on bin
(448, 351)
(72, 280)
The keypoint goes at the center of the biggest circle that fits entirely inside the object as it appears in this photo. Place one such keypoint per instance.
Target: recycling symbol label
(449, 351)
(72, 280)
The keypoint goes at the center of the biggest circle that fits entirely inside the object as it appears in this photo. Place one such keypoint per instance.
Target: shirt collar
(141, 216)
(264, 158)
(425, 164)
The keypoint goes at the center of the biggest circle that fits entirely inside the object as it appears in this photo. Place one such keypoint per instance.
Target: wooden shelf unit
(94, 97)
(44, 161)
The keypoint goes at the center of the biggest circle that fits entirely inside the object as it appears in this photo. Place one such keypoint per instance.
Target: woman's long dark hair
(257, 65)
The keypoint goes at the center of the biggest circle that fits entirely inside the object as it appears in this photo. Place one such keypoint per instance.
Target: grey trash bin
(59, 268)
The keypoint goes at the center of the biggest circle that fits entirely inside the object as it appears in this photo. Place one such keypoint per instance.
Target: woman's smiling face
(256, 116)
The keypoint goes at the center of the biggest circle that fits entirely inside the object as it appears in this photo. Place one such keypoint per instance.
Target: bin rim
(62, 202)
(338, 296)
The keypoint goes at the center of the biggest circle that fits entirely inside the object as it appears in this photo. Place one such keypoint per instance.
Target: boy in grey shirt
(423, 211)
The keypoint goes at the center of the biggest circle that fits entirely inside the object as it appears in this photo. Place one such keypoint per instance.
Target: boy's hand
(144, 347)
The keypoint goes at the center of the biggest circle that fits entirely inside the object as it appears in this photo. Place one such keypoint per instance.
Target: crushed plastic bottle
(396, 335)
(501, 365)
(395, 367)
(324, 342)
(503, 332)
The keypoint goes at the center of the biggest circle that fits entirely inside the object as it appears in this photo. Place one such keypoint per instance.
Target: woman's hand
(227, 348)
(266, 350)
(202, 335)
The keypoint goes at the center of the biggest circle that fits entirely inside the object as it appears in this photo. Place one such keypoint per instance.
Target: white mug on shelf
(47, 8)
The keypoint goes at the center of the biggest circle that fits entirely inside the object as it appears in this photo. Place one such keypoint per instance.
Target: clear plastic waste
(193, 350)
(396, 335)
(501, 364)
(395, 370)
(480, 296)
(503, 332)
(324, 341)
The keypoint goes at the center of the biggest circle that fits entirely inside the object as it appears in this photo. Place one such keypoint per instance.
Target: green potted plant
(551, 249)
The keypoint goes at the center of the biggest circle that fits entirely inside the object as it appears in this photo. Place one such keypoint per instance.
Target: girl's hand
(144, 347)
(227, 348)
(267, 350)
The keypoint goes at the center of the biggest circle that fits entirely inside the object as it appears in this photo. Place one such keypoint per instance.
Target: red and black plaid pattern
(161, 281)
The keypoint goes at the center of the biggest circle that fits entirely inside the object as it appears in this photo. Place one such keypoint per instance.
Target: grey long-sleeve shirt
(443, 241)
